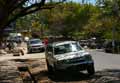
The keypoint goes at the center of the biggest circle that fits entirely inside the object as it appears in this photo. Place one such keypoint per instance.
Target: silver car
(35, 45)
(68, 55)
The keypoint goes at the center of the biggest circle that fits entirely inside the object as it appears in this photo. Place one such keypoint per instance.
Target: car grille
(75, 60)
(36, 46)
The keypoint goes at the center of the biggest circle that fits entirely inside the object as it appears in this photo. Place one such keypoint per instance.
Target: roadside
(9, 72)
(32, 68)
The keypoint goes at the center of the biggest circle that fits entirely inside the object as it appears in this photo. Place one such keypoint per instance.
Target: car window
(66, 48)
(34, 41)
(61, 49)
(76, 47)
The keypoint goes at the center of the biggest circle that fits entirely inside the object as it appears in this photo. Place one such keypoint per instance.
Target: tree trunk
(3, 21)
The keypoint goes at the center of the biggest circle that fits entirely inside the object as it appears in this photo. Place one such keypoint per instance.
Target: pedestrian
(45, 41)
(10, 46)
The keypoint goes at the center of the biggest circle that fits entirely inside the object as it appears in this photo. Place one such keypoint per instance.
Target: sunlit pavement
(10, 56)
(26, 56)
(106, 64)
(105, 60)
(102, 60)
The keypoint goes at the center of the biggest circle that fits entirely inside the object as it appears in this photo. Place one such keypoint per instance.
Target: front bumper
(74, 66)
(36, 48)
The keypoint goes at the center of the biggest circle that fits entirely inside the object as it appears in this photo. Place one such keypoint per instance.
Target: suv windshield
(66, 48)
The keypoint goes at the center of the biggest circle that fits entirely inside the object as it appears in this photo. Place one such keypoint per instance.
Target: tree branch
(23, 14)
(33, 8)
(17, 5)
(35, 5)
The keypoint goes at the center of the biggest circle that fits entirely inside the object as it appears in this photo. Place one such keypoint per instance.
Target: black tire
(50, 69)
(22, 52)
(108, 51)
(55, 71)
(42, 50)
(29, 51)
(91, 69)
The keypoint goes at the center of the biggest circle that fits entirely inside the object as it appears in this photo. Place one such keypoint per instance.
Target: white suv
(34, 45)
(68, 55)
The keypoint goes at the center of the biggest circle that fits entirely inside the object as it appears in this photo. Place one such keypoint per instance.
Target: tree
(69, 19)
(10, 10)
(110, 15)
(77, 20)
(66, 19)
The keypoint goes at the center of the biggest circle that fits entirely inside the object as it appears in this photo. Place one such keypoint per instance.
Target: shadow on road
(107, 76)
(39, 72)
(69, 77)
(62, 77)
(41, 76)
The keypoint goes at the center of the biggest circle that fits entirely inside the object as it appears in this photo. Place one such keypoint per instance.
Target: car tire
(91, 69)
(29, 51)
(42, 50)
(107, 51)
(55, 71)
(50, 69)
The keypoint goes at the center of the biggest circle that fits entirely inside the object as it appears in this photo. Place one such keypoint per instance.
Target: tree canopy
(10, 10)
(76, 20)
(80, 20)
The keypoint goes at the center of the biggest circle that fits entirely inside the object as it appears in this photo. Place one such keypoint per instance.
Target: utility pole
(115, 14)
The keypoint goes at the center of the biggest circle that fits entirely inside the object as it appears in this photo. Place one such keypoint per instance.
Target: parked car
(34, 45)
(68, 55)
(16, 39)
(109, 47)
(84, 43)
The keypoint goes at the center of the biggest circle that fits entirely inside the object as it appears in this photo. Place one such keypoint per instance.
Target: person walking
(45, 41)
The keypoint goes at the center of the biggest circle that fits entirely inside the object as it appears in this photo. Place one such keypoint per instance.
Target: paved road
(26, 56)
(102, 60)
(39, 70)
(105, 60)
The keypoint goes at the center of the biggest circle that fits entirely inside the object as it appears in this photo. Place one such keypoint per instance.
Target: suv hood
(38, 44)
(71, 55)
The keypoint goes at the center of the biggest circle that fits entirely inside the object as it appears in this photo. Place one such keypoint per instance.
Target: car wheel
(29, 51)
(107, 51)
(42, 50)
(55, 71)
(91, 69)
(50, 69)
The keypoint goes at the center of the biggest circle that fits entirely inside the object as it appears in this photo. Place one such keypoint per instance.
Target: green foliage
(75, 20)
(69, 19)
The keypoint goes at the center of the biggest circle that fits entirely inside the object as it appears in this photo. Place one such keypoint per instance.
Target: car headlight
(60, 62)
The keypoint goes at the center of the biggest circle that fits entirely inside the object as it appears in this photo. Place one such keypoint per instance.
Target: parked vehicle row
(110, 48)
(91, 44)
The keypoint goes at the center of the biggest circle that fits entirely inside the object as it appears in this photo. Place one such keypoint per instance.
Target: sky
(79, 1)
